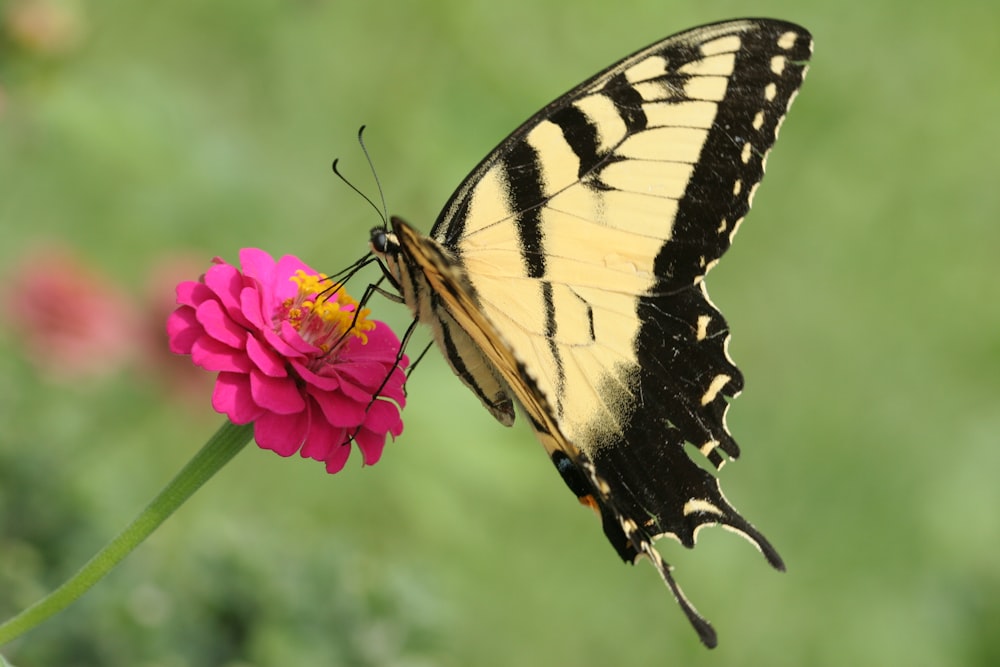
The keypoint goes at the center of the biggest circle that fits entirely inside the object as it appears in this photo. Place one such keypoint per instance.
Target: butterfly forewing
(573, 258)
(630, 185)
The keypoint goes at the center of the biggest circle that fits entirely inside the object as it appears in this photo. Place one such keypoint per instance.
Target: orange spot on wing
(591, 502)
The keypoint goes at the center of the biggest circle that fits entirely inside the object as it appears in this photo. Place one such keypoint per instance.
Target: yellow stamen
(323, 318)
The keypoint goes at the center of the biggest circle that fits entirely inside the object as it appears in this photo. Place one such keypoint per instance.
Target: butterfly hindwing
(567, 271)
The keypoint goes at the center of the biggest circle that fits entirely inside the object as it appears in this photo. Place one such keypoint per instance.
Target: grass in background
(862, 294)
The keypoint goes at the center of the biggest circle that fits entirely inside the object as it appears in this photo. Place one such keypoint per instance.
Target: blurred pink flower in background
(292, 356)
(72, 322)
(43, 27)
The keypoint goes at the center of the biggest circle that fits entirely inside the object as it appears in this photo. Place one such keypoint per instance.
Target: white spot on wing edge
(753, 190)
(746, 536)
(781, 120)
(739, 221)
(702, 331)
(778, 64)
(700, 505)
(708, 448)
(714, 387)
(787, 40)
(725, 351)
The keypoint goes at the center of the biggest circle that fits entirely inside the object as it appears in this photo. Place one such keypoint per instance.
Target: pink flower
(75, 323)
(287, 359)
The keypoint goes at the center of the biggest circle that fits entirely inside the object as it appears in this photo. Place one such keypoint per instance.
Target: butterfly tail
(701, 625)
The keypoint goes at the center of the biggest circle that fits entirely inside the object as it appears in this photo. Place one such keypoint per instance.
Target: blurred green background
(136, 138)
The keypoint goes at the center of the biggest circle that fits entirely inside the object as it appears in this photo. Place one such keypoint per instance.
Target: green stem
(217, 452)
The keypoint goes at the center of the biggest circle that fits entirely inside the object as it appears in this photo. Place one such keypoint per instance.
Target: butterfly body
(567, 274)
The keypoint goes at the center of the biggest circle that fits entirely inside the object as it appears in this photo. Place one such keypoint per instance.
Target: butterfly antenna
(351, 270)
(381, 214)
(371, 165)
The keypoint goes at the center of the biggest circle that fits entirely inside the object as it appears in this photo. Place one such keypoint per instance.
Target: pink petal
(252, 307)
(283, 287)
(212, 355)
(278, 395)
(337, 458)
(395, 387)
(232, 398)
(322, 440)
(355, 391)
(282, 434)
(219, 325)
(382, 346)
(361, 390)
(368, 378)
(265, 358)
(371, 445)
(324, 382)
(337, 409)
(290, 337)
(225, 282)
(191, 293)
(183, 330)
(362, 373)
(383, 417)
(258, 265)
(329, 445)
(281, 343)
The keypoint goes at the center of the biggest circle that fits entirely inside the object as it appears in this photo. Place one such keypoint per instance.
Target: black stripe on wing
(526, 193)
(627, 101)
(581, 135)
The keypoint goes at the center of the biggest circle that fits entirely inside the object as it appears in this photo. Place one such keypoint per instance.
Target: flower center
(324, 318)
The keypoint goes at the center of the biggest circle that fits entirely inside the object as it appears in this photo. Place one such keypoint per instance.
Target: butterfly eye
(379, 240)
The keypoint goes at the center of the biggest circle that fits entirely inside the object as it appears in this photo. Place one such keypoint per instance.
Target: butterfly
(567, 274)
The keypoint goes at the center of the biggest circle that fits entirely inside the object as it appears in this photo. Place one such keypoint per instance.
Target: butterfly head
(383, 242)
